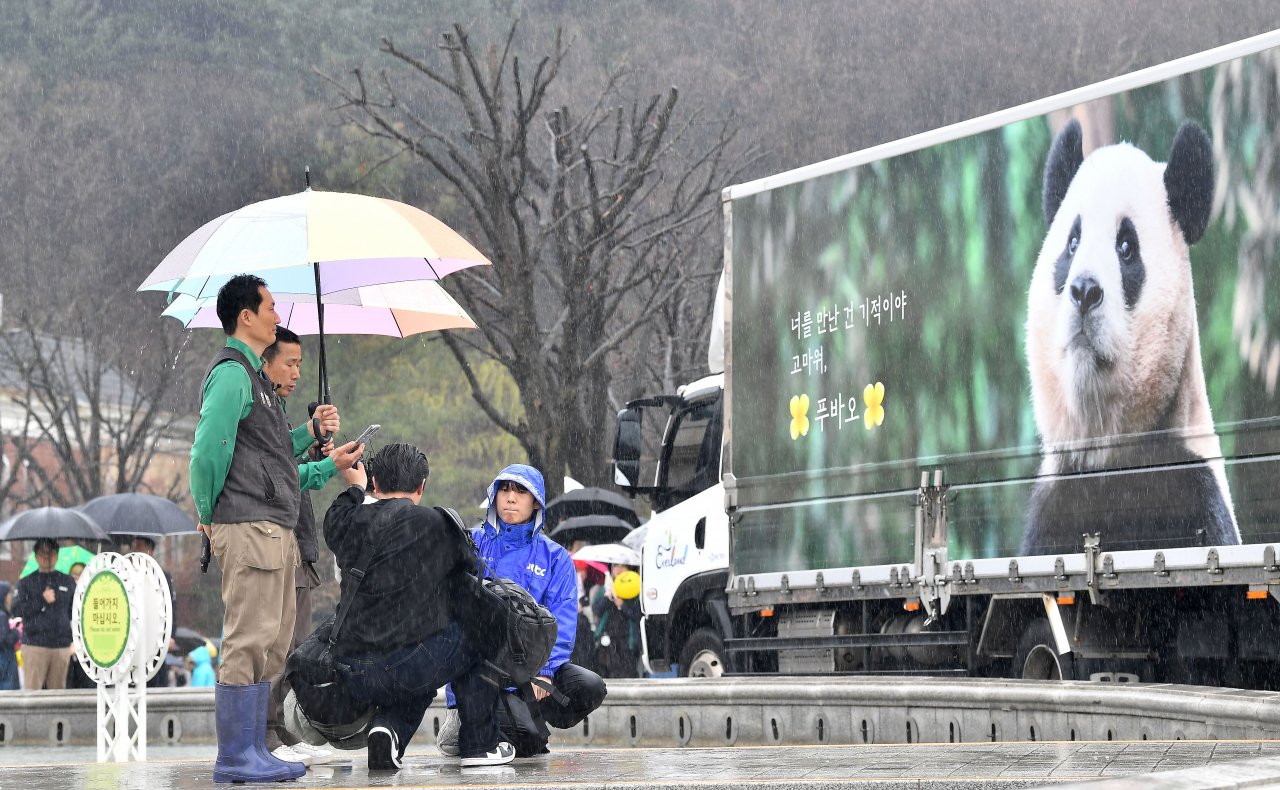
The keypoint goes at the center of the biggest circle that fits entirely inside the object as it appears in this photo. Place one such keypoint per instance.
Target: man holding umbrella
(43, 601)
(282, 362)
(246, 484)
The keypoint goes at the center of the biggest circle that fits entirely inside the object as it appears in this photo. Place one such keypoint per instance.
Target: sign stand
(121, 623)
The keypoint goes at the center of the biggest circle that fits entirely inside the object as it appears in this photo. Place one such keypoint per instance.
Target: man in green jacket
(246, 483)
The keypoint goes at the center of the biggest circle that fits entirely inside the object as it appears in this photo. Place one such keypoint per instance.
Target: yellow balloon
(627, 585)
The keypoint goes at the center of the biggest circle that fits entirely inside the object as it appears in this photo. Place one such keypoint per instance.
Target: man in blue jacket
(512, 544)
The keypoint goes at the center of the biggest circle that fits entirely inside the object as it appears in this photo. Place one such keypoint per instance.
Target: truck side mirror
(626, 449)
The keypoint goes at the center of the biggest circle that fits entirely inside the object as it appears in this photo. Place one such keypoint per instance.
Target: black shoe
(384, 752)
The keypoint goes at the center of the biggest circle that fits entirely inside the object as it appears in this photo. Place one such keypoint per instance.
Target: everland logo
(536, 570)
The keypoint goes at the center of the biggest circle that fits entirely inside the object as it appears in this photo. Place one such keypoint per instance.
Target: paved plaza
(885, 767)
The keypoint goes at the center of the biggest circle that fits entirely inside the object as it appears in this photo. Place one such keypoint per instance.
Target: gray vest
(262, 484)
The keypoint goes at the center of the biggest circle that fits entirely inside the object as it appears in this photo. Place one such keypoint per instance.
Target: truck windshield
(692, 462)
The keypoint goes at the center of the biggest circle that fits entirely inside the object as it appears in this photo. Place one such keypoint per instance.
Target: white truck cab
(685, 557)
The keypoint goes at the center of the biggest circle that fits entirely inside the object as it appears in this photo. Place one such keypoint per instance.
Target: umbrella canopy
(635, 538)
(352, 240)
(331, 246)
(54, 523)
(67, 556)
(594, 529)
(189, 639)
(608, 553)
(138, 514)
(591, 501)
(398, 310)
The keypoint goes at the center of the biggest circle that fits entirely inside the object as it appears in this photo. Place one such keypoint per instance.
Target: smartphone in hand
(368, 434)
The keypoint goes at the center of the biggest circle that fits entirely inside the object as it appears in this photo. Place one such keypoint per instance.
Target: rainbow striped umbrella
(342, 240)
(396, 310)
(366, 265)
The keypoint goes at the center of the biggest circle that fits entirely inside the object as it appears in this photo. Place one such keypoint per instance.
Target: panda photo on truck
(1113, 351)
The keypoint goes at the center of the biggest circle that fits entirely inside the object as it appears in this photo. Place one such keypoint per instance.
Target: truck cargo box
(1070, 307)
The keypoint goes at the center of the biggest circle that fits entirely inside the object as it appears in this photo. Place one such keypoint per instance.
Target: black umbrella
(53, 523)
(138, 514)
(591, 502)
(593, 529)
(189, 639)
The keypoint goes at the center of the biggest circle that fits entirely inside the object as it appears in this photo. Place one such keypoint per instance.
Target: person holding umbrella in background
(8, 642)
(282, 362)
(43, 601)
(246, 484)
(617, 632)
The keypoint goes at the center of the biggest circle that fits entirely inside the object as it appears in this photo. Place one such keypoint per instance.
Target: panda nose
(1086, 293)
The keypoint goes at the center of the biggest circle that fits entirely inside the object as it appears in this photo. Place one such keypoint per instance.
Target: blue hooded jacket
(525, 555)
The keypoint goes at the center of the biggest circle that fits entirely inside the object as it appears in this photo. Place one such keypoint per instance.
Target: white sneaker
(503, 754)
(447, 739)
(318, 756)
(288, 755)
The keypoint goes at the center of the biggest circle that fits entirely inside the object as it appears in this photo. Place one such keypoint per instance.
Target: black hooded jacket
(404, 597)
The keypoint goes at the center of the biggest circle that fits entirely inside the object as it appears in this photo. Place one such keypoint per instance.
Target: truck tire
(702, 655)
(1037, 656)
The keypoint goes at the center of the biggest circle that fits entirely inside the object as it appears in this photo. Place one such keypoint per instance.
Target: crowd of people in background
(36, 649)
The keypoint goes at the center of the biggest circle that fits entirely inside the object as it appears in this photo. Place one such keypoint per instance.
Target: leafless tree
(90, 406)
(590, 216)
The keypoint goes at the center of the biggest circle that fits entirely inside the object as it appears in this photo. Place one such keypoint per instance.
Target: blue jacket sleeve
(561, 597)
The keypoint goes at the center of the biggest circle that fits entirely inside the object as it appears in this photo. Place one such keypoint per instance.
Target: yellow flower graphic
(872, 396)
(799, 422)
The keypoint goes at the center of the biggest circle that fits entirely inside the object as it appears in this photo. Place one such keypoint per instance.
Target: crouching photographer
(394, 640)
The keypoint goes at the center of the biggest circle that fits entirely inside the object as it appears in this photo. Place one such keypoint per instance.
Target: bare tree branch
(595, 239)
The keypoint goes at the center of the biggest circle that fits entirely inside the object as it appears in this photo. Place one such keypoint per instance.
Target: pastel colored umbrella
(397, 310)
(315, 241)
(320, 249)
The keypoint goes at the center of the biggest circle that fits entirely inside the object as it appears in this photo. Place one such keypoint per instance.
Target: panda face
(1111, 309)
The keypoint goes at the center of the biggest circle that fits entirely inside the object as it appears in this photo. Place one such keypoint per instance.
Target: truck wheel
(702, 655)
(1037, 656)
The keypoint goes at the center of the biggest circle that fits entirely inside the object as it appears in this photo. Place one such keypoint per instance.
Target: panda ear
(1188, 181)
(1064, 160)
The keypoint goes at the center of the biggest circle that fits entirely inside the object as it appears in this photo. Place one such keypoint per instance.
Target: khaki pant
(45, 665)
(257, 559)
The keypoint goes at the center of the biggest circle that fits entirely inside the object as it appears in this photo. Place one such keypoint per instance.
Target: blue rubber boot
(235, 719)
(296, 770)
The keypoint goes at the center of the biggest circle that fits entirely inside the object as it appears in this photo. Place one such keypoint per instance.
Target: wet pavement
(976, 765)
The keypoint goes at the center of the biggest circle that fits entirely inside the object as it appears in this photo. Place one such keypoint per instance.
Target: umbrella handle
(322, 362)
(322, 438)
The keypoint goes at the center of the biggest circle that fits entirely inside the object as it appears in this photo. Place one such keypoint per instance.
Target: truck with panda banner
(998, 399)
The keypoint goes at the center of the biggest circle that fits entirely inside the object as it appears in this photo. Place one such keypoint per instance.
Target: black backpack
(514, 632)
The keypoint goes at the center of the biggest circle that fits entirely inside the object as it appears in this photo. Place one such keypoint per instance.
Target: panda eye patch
(1132, 271)
(1063, 266)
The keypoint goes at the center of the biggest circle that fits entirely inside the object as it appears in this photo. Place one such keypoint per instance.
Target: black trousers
(585, 691)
